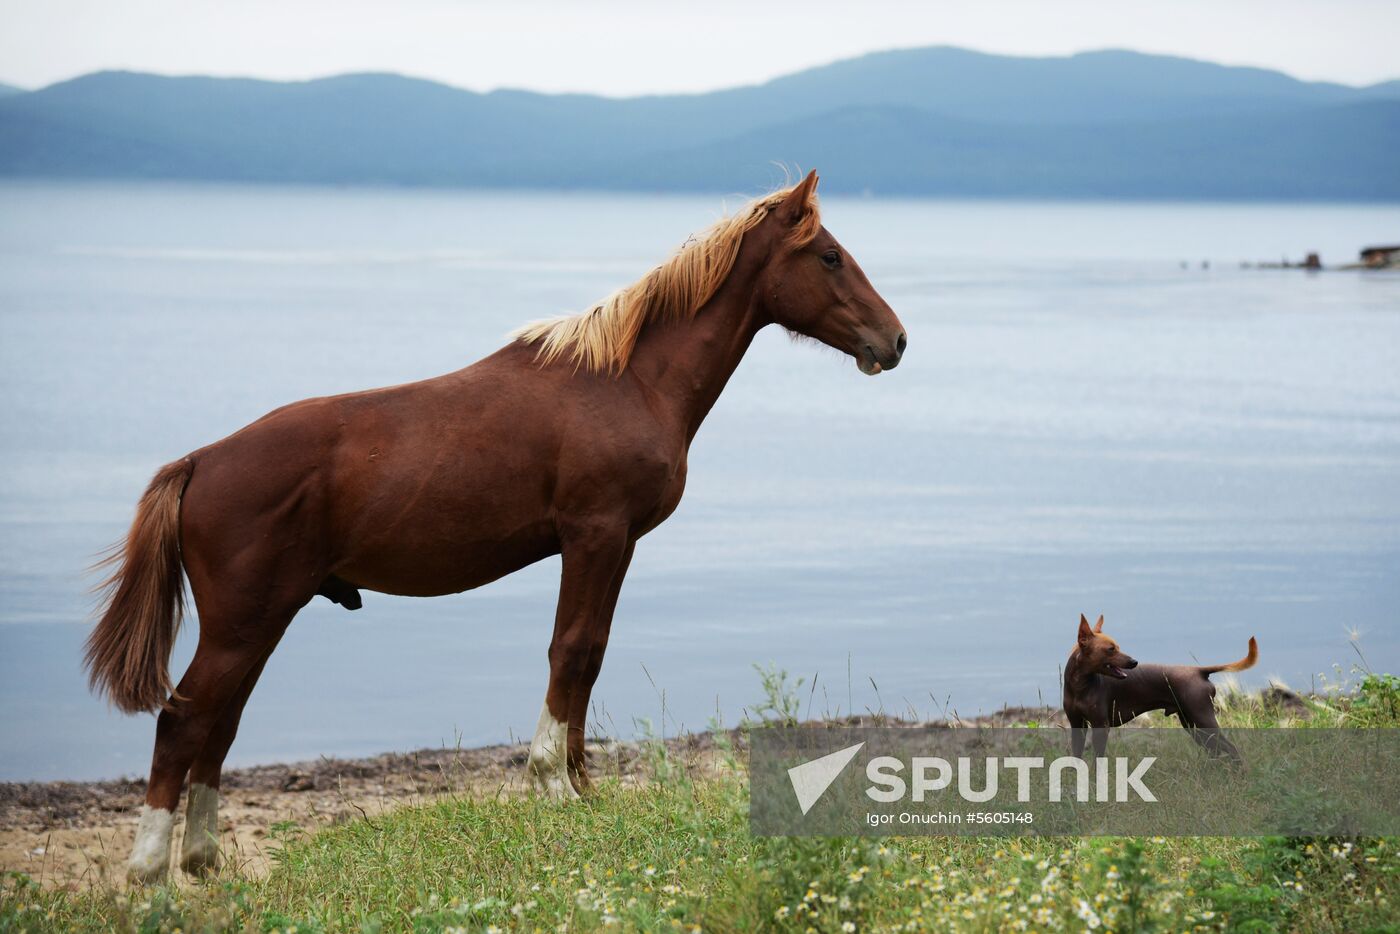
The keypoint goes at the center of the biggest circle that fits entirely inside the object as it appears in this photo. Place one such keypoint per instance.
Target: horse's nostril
(900, 344)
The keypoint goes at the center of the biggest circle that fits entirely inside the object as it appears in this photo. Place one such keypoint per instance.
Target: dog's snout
(1132, 663)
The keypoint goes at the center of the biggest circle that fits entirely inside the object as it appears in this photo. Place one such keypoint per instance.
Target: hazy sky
(617, 47)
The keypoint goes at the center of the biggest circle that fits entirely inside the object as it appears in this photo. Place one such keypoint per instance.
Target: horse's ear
(1098, 627)
(1085, 633)
(799, 201)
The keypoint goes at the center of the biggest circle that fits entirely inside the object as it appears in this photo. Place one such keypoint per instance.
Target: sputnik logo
(810, 780)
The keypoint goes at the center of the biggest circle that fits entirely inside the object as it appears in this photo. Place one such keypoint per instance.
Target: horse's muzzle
(874, 358)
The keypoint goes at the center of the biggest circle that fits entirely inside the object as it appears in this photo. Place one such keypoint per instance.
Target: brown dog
(1105, 687)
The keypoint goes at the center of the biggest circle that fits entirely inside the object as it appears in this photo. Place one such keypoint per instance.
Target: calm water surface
(1080, 425)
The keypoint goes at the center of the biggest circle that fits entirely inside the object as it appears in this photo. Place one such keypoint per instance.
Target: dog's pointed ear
(1098, 627)
(1086, 634)
(799, 201)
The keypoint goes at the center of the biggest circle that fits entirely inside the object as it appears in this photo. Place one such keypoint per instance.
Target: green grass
(676, 854)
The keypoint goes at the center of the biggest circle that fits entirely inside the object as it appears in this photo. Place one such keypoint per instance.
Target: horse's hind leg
(238, 626)
(209, 684)
(199, 850)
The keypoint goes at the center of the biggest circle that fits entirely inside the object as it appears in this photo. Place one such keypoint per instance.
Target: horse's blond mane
(601, 339)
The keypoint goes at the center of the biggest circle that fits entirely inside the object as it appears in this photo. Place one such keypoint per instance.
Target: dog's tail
(143, 599)
(1246, 662)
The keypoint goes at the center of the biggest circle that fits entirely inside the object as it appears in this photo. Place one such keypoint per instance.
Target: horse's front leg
(578, 702)
(594, 562)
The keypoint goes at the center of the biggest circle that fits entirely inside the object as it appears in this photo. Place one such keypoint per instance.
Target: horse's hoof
(144, 873)
(559, 789)
(150, 853)
(200, 862)
(553, 785)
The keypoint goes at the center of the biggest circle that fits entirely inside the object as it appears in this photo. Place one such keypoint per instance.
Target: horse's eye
(831, 259)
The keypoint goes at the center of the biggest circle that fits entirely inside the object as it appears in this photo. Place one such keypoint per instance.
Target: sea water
(1088, 419)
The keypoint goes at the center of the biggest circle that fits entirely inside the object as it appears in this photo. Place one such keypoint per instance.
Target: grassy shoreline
(674, 852)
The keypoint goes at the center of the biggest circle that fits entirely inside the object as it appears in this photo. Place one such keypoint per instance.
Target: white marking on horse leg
(548, 764)
(199, 851)
(150, 854)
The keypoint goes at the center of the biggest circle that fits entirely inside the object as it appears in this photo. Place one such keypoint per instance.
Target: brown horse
(570, 440)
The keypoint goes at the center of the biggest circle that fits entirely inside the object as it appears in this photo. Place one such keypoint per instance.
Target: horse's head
(813, 287)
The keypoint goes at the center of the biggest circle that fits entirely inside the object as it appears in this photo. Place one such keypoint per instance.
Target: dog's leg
(1100, 740)
(1205, 730)
(1077, 736)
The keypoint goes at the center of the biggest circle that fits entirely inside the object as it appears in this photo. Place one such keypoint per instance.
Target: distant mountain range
(933, 121)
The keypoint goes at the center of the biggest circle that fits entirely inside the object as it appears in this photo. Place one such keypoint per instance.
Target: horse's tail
(1246, 662)
(143, 600)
